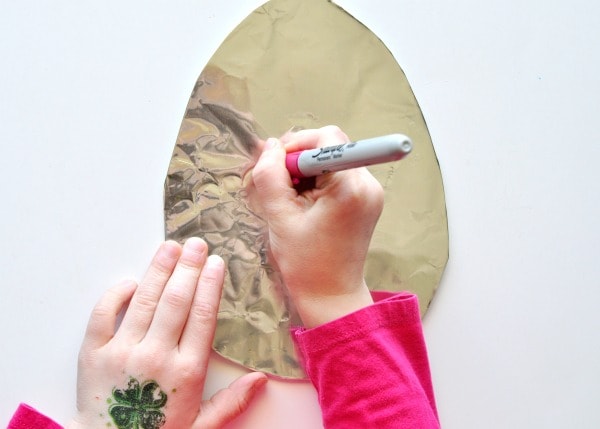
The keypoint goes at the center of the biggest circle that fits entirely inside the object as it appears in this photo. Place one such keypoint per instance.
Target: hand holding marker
(377, 150)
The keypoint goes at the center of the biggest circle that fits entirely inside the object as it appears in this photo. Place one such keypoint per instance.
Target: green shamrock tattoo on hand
(138, 407)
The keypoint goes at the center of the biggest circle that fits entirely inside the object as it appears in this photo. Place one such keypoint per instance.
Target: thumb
(271, 179)
(230, 402)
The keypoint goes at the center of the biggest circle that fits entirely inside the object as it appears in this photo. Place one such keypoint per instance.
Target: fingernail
(194, 252)
(215, 261)
(194, 243)
(171, 249)
(271, 143)
(259, 383)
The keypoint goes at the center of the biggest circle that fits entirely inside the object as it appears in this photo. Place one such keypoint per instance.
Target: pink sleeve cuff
(27, 417)
(389, 309)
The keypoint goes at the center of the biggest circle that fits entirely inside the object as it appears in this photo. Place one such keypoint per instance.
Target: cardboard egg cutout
(296, 64)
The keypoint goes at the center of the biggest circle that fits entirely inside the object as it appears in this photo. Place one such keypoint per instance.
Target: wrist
(316, 310)
(73, 424)
(82, 421)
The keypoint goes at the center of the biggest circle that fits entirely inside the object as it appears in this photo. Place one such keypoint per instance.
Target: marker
(377, 150)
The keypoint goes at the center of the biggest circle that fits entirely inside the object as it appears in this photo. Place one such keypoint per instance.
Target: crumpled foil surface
(294, 64)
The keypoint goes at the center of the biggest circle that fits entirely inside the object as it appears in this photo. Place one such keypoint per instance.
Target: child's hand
(319, 238)
(149, 371)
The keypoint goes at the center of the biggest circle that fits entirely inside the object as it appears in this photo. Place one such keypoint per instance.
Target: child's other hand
(150, 371)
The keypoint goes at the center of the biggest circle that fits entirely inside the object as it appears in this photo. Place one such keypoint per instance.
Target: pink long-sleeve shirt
(370, 369)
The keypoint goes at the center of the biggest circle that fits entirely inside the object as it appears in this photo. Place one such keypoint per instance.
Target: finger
(199, 331)
(351, 191)
(228, 403)
(330, 135)
(143, 304)
(285, 137)
(103, 320)
(274, 188)
(174, 304)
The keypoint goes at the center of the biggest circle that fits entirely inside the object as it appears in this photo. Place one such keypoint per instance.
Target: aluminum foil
(294, 64)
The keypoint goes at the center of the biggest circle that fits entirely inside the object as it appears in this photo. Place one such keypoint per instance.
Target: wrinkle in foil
(294, 64)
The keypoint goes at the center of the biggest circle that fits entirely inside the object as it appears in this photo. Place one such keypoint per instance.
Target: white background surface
(91, 98)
